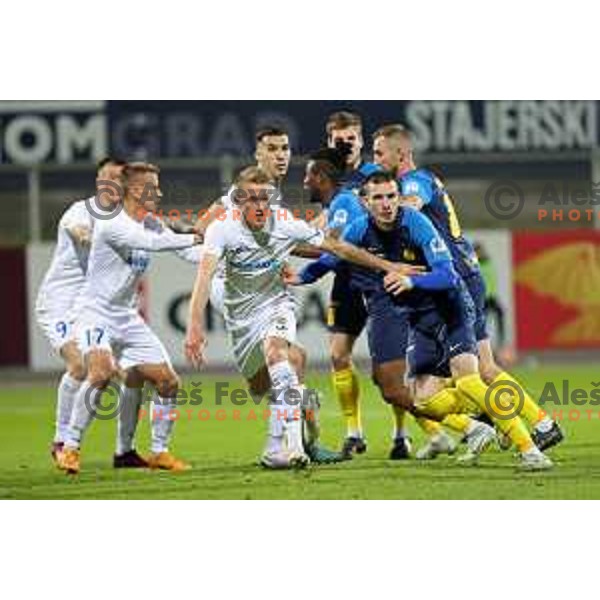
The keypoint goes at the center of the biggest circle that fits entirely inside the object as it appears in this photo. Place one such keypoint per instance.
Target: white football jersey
(253, 259)
(65, 277)
(119, 257)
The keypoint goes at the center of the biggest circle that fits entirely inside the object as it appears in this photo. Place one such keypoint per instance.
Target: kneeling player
(348, 316)
(259, 310)
(423, 189)
(439, 314)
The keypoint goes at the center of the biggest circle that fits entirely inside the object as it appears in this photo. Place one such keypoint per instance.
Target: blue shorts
(347, 312)
(387, 330)
(438, 334)
(476, 287)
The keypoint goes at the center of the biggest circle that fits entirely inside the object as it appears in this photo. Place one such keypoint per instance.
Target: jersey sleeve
(120, 234)
(76, 215)
(354, 233)
(425, 236)
(302, 232)
(215, 239)
(419, 187)
(317, 269)
(227, 199)
(191, 255)
(343, 210)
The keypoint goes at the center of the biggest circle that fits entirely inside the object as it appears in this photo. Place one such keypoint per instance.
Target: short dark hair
(342, 120)
(109, 160)
(330, 162)
(270, 129)
(375, 178)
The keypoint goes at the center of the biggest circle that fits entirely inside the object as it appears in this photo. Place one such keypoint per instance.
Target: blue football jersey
(345, 207)
(356, 178)
(413, 240)
(439, 207)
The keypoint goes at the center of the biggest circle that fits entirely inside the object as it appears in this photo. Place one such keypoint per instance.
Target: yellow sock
(345, 383)
(428, 426)
(456, 422)
(475, 389)
(447, 404)
(530, 411)
(440, 405)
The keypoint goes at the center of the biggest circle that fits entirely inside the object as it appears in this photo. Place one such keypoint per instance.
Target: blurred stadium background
(48, 149)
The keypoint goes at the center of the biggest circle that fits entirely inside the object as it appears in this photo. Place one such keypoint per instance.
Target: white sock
(67, 392)
(275, 435)
(311, 406)
(400, 434)
(288, 404)
(82, 415)
(162, 424)
(544, 425)
(131, 400)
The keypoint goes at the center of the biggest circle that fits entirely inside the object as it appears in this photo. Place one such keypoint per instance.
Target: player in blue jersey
(424, 190)
(439, 314)
(345, 131)
(347, 314)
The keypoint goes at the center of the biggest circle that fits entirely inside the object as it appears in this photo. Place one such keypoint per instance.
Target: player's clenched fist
(396, 283)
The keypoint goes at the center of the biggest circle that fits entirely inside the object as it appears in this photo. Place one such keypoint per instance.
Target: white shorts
(247, 337)
(127, 337)
(58, 328)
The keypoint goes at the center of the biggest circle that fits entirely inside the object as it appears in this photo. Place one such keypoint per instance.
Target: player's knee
(76, 369)
(341, 357)
(298, 358)
(425, 388)
(168, 385)
(341, 362)
(275, 353)
(99, 377)
(395, 394)
(133, 379)
(489, 371)
(400, 396)
(340, 351)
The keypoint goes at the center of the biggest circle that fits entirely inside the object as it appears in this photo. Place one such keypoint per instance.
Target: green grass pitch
(224, 453)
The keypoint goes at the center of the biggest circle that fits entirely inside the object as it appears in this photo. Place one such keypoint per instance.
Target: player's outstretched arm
(307, 251)
(216, 209)
(195, 338)
(124, 236)
(361, 257)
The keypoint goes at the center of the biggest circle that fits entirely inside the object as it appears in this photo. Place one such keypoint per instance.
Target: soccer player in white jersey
(273, 154)
(109, 328)
(57, 300)
(259, 310)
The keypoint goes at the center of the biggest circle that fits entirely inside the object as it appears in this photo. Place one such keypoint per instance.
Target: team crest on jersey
(138, 260)
(340, 218)
(411, 187)
(438, 246)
